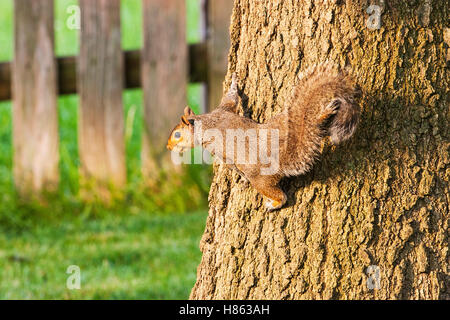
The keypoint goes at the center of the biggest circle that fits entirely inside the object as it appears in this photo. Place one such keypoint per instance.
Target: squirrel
(323, 104)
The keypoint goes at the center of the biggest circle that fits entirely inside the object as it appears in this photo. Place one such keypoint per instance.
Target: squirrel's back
(324, 103)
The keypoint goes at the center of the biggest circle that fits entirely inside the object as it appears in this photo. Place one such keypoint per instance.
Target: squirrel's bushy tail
(332, 96)
(343, 123)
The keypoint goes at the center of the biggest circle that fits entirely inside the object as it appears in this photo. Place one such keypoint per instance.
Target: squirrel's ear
(184, 120)
(188, 112)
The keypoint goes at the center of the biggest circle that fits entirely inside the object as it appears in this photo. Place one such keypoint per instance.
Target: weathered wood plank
(34, 88)
(164, 76)
(198, 67)
(67, 70)
(5, 81)
(203, 23)
(218, 46)
(100, 81)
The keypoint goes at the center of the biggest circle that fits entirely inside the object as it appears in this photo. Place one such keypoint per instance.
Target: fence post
(218, 43)
(100, 77)
(34, 87)
(164, 78)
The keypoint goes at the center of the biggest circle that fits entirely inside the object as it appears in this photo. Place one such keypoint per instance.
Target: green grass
(137, 257)
(144, 247)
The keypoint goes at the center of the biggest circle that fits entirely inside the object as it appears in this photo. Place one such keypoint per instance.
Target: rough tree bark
(380, 200)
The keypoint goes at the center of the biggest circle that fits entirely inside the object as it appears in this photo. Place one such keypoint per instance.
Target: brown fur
(323, 105)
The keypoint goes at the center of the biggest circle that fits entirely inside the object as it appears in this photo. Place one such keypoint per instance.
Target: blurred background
(141, 244)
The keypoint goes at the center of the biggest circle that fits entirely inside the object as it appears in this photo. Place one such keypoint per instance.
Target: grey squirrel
(324, 104)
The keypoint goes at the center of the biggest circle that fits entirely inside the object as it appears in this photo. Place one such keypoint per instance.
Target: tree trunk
(370, 221)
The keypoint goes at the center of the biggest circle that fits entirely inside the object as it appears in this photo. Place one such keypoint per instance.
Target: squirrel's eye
(177, 135)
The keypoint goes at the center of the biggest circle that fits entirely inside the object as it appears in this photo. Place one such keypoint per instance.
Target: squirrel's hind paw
(272, 205)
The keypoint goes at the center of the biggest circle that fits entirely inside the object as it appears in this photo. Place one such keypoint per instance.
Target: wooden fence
(99, 75)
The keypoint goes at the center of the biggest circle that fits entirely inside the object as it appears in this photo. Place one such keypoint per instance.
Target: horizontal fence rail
(163, 67)
(67, 71)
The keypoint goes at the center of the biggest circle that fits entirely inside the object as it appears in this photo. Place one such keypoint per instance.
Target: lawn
(145, 247)
(120, 257)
